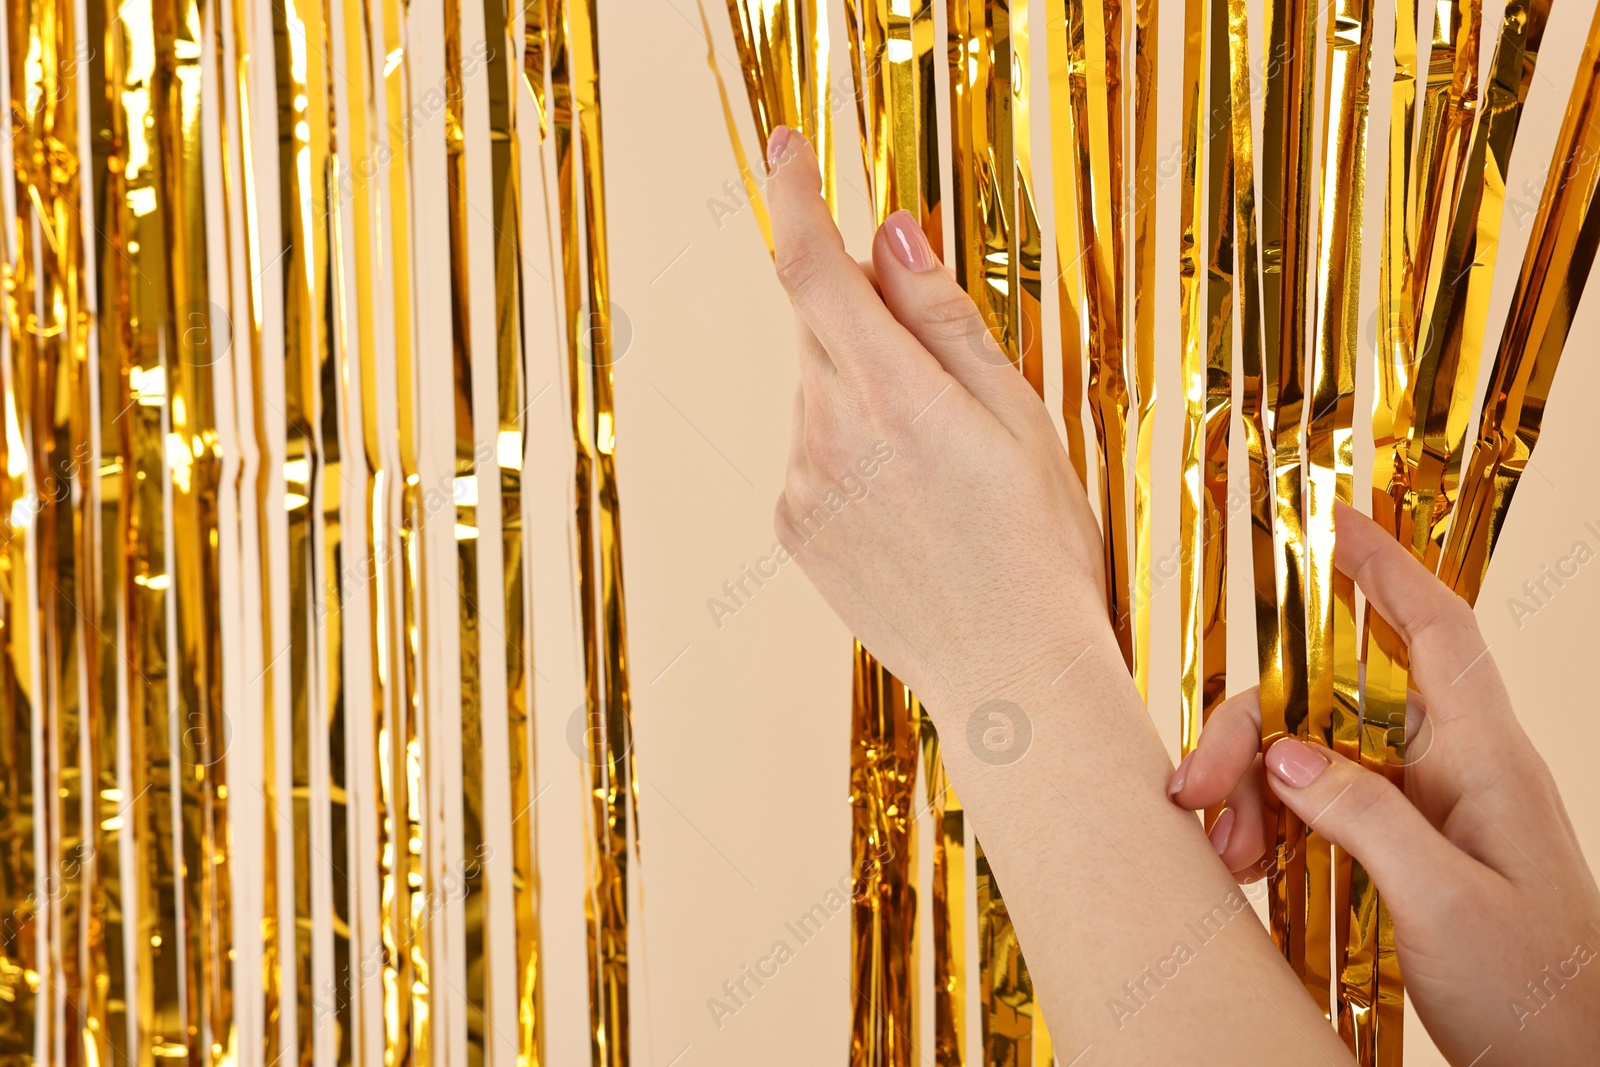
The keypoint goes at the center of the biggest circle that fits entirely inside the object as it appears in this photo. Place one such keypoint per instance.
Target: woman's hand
(1496, 913)
(928, 496)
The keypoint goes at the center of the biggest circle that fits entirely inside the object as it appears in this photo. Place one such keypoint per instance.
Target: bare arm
(971, 568)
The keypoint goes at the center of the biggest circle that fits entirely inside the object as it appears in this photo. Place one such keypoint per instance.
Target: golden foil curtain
(266, 686)
(1279, 283)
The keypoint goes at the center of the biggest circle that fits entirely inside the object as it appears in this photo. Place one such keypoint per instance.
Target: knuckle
(783, 524)
(799, 486)
(954, 318)
(822, 445)
(1364, 795)
(800, 265)
(1448, 617)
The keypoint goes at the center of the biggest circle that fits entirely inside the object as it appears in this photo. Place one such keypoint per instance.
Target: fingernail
(909, 244)
(1179, 776)
(1221, 830)
(1296, 763)
(775, 146)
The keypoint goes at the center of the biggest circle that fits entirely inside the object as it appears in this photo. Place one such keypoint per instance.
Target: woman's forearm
(1139, 942)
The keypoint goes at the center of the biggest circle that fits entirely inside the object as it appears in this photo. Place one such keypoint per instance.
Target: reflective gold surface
(235, 604)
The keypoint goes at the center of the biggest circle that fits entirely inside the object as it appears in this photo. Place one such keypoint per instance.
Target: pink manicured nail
(1179, 776)
(909, 244)
(775, 146)
(1296, 763)
(1221, 830)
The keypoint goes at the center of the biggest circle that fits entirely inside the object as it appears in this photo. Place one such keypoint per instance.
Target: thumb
(1363, 813)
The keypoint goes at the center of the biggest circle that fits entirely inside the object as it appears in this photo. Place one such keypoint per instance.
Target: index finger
(830, 293)
(1449, 657)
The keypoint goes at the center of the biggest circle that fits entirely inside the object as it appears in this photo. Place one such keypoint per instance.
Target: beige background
(742, 729)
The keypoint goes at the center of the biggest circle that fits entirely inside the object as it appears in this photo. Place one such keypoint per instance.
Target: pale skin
(972, 569)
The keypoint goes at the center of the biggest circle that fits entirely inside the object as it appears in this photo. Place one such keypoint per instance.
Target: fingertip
(1179, 777)
(1356, 536)
(791, 163)
(775, 147)
(1222, 830)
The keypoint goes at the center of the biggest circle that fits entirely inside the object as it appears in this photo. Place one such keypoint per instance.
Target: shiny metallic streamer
(1141, 177)
(575, 111)
(466, 489)
(885, 730)
(407, 962)
(1091, 108)
(948, 889)
(1334, 709)
(1286, 166)
(510, 452)
(1248, 283)
(1061, 57)
(308, 444)
(1206, 281)
(1007, 993)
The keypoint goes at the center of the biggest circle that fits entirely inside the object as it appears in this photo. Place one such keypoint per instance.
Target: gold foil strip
(500, 22)
(1286, 168)
(1142, 272)
(1560, 253)
(407, 973)
(983, 190)
(1006, 996)
(1365, 978)
(1446, 196)
(1333, 700)
(1449, 101)
(147, 98)
(948, 890)
(34, 320)
(1092, 38)
(20, 976)
(105, 527)
(1206, 247)
(195, 469)
(575, 109)
(261, 508)
(364, 542)
(1061, 56)
(1248, 282)
(1384, 688)
(467, 487)
(885, 730)
(47, 398)
(311, 473)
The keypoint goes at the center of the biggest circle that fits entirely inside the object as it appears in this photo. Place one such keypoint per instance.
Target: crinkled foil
(1560, 254)
(216, 623)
